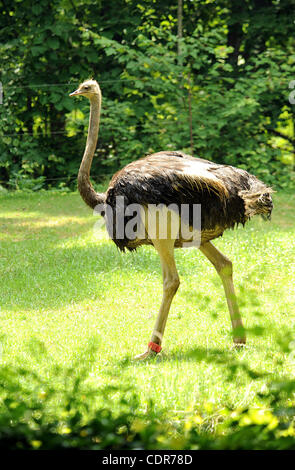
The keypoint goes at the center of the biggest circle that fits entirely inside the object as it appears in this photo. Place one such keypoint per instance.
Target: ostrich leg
(223, 267)
(165, 248)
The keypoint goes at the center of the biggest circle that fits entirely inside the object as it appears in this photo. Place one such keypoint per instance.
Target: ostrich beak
(76, 92)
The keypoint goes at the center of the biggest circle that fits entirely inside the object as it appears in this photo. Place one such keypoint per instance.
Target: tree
(231, 74)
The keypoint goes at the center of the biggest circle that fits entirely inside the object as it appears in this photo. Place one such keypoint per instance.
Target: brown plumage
(228, 196)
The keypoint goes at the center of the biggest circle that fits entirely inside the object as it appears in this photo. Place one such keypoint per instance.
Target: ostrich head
(89, 88)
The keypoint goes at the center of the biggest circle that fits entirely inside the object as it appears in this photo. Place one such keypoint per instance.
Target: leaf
(53, 42)
(36, 9)
(37, 50)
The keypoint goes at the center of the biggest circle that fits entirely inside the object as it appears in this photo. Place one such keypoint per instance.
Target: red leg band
(154, 347)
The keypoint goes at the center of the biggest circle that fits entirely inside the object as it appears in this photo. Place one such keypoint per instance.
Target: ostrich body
(227, 195)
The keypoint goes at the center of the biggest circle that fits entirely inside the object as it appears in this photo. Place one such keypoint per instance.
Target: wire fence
(180, 81)
(48, 85)
(21, 134)
(65, 179)
(45, 133)
(48, 134)
(24, 133)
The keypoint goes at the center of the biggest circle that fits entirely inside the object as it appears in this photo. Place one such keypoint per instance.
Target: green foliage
(29, 420)
(236, 64)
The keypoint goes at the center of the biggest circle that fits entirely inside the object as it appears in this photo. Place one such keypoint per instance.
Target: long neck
(90, 196)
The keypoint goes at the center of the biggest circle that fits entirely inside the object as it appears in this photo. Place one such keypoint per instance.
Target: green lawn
(63, 289)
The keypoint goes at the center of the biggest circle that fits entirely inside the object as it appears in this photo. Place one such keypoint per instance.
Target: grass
(64, 288)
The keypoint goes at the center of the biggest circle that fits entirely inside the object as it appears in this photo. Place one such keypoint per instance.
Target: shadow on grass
(58, 275)
(232, 360)
(193, 354)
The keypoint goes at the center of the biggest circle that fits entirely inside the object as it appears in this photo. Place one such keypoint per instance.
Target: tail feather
(258, 200)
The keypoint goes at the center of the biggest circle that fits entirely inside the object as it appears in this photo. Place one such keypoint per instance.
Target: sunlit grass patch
(64, 288)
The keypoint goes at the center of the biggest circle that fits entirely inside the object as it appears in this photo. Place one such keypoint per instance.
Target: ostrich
(227, 195)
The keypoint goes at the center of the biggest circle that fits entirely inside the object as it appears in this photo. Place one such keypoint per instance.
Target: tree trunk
(179, 31)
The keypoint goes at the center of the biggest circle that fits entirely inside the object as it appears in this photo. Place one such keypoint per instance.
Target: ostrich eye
(86, 87)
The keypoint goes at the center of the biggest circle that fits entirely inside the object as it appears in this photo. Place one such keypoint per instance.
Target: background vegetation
(218, 87)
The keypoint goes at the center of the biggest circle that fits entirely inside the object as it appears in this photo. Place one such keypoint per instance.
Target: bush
(67, 417)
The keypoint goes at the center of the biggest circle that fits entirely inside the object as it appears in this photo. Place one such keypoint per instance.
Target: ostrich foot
(239, 343)
(148, 354)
